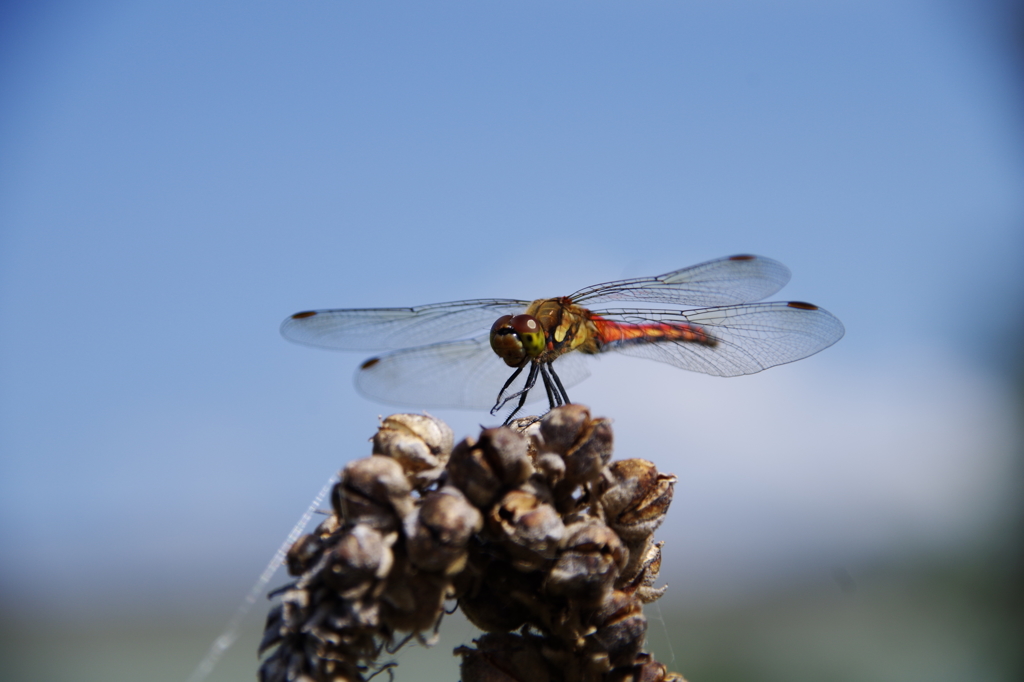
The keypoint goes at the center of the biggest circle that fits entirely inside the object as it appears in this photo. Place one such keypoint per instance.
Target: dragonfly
(443, 355)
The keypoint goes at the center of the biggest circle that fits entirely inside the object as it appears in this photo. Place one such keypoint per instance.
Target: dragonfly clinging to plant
(442, 355)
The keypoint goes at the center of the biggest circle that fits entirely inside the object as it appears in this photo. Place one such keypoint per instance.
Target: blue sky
(178, 178)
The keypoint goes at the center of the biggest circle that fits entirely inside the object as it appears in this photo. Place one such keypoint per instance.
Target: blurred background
(177, 178)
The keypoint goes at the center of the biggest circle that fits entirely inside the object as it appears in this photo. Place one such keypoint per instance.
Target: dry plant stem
(546, 544)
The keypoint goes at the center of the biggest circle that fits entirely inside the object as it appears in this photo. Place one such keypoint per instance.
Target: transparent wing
(387, 328)
(748, 338)
(465, 374)
(726, 281)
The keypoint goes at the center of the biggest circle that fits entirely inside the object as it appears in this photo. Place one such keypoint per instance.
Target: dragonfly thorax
(516, 338)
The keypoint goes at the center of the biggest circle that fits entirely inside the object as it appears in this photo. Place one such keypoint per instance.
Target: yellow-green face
(517, 338)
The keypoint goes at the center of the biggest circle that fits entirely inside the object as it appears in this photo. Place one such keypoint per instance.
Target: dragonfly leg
(531, 380)
(558, 383)
(552, 396)
(499, 402)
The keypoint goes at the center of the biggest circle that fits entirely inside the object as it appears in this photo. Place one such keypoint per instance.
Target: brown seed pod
(303, 554)
(643, 669)
(621, 627)
(529, 527)
(373, 491)
(507, 453)
(636, 497)
(311, 662)
(504, 657)
(585, 460)
(413, 600)
(295, 605)
(561, 427)
(551, 467)
(437, 534)
(590, 562)
(491, 591)
(640, 573)
(470, 472)
(358, 561)
(306, 551)
(314, 639)
(274, 630)
(483, 468)
(419, 442)
(328, 527)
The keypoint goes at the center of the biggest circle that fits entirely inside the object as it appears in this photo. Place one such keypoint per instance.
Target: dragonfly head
(516, 338)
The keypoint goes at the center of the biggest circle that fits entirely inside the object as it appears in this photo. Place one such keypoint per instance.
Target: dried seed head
(482, 469)
(373, 491)
(437, 534)
(529, 527)
(504, 657)
(590, 562)
(418, 442)
(567, 554)
(636, 497)
(562, 426)
(360, 558)
(585, 460)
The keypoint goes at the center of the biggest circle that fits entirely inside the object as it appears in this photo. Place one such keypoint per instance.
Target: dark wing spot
(742, 257)
(308, 313)
(802, 306)
(369, 363)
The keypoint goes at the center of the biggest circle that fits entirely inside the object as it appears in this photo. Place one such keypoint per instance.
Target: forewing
(462, 374)
(748, 338)
(388, 328)
(726, 281)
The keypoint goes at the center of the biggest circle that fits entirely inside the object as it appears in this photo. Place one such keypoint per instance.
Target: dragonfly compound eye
(530, 333)
(505, 341)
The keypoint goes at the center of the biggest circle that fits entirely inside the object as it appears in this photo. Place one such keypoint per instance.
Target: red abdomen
(616, 334)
